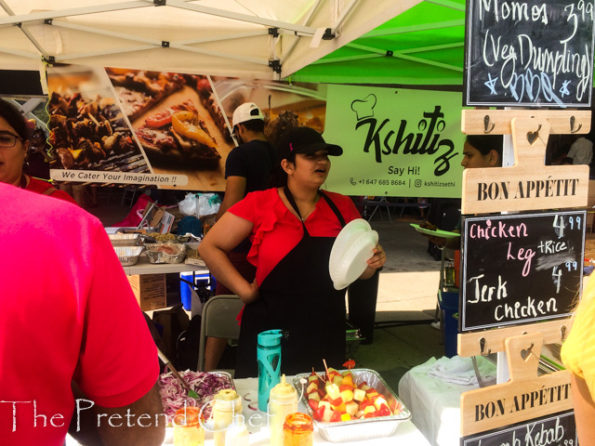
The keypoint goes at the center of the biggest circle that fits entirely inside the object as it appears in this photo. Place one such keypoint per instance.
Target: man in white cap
(249, 165)
(248, 168)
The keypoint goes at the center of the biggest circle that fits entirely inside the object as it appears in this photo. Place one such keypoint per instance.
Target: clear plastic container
(187, 428)
(298, 430)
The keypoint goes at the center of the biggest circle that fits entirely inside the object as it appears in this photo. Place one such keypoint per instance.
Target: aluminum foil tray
(124, 239)
(128, 255)
(364, 429)
(155, 254)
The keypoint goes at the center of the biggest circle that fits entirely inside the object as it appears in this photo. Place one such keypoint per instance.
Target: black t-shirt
(253, 161)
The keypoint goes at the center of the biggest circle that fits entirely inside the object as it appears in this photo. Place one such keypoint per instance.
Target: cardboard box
(150, 290)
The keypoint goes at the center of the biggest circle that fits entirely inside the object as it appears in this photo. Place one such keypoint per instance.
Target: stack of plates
(352, 248)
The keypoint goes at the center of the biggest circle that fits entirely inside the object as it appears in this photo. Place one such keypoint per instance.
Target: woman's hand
(375, 262)
(378, 258)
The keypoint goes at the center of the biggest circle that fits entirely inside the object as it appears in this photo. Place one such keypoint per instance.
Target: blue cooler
(449, 304)
(186, 281)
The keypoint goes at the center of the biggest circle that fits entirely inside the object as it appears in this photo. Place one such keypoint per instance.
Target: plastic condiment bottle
(227, 403)
(268, 356)
(237, 434)
(283, 401)
(298, 430)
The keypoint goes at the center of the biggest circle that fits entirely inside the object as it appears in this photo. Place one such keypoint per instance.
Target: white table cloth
(406, 433)
(435, 403)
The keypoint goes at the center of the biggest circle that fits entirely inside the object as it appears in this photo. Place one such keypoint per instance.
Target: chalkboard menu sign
(529, 53)
(521, 268)
(557, 429)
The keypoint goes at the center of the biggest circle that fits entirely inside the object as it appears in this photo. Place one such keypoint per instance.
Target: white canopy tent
(267, 39)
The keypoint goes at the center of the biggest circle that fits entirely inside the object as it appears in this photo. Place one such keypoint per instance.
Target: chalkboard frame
(463, 326)
(470, 100)
(474, 439)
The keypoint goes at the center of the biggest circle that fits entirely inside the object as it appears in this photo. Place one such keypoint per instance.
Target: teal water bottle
(268, 356)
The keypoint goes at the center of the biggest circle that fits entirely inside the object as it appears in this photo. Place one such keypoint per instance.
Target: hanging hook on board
(572, 122)
(482, 346)
(486, 124)
(532, 136)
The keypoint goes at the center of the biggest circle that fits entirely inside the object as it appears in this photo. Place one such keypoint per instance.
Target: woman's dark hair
(15, 118)
(274, 132)
(485, 143)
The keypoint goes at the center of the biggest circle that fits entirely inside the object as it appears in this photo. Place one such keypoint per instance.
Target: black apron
(298, 297)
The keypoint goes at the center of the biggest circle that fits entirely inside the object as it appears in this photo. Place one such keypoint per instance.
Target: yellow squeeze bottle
(282, 402)
(227, 403)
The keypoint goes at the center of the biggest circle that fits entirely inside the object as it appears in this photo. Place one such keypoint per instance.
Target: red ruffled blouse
(277, 231)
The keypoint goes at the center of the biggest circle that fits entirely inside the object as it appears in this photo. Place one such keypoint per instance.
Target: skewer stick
(328, 377)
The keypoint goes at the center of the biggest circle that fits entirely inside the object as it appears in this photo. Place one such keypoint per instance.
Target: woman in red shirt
(292, 229)
(14, 143)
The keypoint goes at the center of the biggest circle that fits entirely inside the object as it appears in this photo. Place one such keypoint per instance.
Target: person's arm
(225, 235)
(118, 367)
(235, 189)
(375, 262)
(139, 423)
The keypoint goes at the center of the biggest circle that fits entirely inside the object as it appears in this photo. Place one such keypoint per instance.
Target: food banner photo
(396, 142)
(178, 125)
(89, 137)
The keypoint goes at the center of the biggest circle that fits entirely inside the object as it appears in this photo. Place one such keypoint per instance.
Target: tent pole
(25, 31)
(429, 62)
(45, 15)
(432, 48)
(225, 38)
(414, 28)
(447, 4)
(346, 59)
(343, 17)
(91, 30)
(101, 32)
(307, 22)
(150, 45)
(67, 58)
(242, 17)
(403, 55)
(218, 54)
(19, 53)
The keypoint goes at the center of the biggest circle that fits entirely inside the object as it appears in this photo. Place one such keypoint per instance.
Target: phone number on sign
(381, 182)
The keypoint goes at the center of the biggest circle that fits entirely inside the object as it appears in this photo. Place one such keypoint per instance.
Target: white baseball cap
(246, 112)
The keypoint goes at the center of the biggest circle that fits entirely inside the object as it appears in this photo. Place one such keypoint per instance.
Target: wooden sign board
(497, 122)
(485, 342)
(528, 184)
(556, 429)
(520, 268)
(522, 53)
(524, 397)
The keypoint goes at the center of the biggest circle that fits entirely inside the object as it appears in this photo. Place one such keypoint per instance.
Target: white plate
(349, 232)
(351, 249)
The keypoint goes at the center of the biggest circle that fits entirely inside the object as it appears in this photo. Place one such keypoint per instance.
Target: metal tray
(153, 253)
(125, 239)
(366, 428)
(128, 255)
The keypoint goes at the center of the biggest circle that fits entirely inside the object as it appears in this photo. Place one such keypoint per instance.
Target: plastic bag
(188, 205)
(208, 204)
